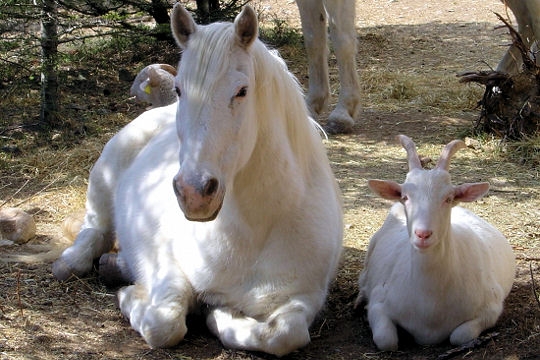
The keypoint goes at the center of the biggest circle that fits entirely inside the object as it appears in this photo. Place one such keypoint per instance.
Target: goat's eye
(178, 92)
(242, 92)
(449, 200)
(404, 198)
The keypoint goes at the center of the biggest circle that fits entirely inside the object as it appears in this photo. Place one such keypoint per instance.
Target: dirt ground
(408, 50)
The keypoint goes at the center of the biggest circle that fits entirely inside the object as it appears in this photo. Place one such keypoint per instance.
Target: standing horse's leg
(284, 330)
(341, 16)
(313, 18)
(157, 308)
(527, 13)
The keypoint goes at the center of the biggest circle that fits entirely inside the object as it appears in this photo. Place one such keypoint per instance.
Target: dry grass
(410, 52)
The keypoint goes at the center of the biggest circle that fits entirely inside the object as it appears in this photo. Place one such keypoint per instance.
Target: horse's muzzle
(199, 197)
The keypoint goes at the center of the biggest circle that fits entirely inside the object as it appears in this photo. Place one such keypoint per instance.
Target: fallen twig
(533, 286)
(19, 302)
(16, 192)
(475, 343)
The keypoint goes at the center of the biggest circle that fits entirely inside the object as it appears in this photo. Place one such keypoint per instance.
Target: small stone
(16, 225)
(472, 143)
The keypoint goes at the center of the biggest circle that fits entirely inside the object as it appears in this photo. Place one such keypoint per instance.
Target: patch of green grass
(278, 33)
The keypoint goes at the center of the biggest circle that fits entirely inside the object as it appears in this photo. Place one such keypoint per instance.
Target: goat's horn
(447, 153)
(412, 155)
(168, 68)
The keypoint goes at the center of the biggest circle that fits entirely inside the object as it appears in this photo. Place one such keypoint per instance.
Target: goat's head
(428, 195)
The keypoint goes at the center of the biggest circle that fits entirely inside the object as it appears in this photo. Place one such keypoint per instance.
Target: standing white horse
(340, 16)
(259, 235)
(527, 13)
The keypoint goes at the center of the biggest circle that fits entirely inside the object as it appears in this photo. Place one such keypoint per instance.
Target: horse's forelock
(212, 46)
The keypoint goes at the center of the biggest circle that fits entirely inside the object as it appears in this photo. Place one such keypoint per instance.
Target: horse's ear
(246, 27)
(182, 25)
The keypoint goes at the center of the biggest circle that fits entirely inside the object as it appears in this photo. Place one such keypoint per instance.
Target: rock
(16, 225)
(472, 143)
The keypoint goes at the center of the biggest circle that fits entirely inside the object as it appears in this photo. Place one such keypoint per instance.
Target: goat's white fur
(435, 269)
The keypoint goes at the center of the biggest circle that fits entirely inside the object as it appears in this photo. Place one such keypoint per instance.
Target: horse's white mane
(272, 80)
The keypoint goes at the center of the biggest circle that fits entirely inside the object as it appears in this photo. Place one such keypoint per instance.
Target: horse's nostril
(210, 187)
(175, 187)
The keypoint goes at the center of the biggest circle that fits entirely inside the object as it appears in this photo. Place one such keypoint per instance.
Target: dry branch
(510, 106)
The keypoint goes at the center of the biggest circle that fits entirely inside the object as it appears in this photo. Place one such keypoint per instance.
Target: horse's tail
(72, 224)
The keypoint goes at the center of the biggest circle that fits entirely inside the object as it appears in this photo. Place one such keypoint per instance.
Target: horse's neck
(274, 180)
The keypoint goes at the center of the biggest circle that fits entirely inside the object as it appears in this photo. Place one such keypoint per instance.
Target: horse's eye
(242, 92)
(177, 91)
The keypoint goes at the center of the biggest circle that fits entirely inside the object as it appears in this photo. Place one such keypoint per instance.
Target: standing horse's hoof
(336, 128)
(339, 122)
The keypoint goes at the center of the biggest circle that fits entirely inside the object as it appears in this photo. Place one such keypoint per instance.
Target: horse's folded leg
(160, 321)
(61, 270)
(279, 335)
(77, 260)
(113, 270)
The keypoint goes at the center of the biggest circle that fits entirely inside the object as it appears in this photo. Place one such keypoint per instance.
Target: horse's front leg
(341, 16)
(157, 309)
(281, 332)
(313, 18)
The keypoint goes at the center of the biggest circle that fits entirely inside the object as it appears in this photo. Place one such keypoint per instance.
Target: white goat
(155, 85)
(435, 269)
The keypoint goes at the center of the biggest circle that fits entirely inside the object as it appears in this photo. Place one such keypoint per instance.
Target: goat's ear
(390, 190)
(470, 192)
(246, 27)
(182, 25)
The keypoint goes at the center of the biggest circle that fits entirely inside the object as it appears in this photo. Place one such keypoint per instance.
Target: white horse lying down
(250, 224)
(340, 16)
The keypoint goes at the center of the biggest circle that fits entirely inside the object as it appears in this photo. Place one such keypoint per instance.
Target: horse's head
(215, 117)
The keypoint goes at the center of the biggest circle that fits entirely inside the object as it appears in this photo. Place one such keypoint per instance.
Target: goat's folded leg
(385, 335)
(471, 329)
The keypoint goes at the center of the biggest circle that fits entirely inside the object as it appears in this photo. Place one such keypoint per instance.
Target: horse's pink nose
(423, 234)
(196, 196)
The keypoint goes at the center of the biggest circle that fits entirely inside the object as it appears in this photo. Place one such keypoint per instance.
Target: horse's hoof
(61, 270)
(112, 270)
(336, 128)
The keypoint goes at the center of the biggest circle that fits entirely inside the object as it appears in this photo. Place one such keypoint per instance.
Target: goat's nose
(423, 234)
